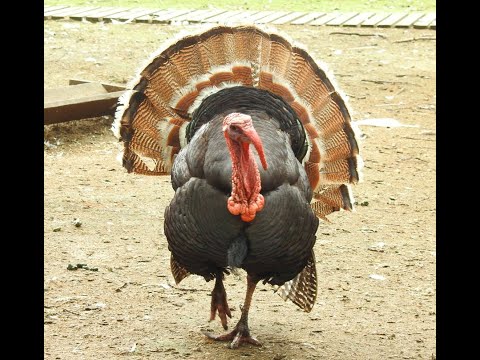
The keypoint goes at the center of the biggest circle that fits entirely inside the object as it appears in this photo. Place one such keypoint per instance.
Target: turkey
(260, 146)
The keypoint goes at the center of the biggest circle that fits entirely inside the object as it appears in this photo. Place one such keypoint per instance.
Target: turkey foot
(219, 302)
(239, 335)
(241, 332)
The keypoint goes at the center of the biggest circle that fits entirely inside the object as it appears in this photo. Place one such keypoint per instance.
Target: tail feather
(330, 198)
(152, 118)
(178, 271)
(302, 289)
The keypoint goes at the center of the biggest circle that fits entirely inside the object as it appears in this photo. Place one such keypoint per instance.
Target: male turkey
(194, 111)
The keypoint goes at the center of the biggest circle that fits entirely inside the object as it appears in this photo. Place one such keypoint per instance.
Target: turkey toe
(237, 337)
(219, 303)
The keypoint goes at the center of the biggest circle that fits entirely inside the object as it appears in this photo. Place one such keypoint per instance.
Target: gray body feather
(204, 237)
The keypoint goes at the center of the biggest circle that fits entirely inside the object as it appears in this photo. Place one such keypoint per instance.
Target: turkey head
(245, 199)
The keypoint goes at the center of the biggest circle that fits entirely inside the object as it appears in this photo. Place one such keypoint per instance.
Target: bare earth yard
(376, 265)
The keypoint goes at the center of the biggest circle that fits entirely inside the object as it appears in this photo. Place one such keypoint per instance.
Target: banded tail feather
(153, 118)
(178, 271)
(302, 289)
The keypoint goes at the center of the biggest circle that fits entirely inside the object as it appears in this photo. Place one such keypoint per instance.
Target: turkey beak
(252, 135)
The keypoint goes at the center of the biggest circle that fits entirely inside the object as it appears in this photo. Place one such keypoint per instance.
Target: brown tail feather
(302, 290)
(180, 76)
(330, 198)
(178, 271)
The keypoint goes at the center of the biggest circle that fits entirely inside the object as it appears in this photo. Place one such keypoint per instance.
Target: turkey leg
(219, 301)
(241, 332)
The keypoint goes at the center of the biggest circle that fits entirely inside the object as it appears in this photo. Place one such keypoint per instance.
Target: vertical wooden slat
(98, 14)
(209, 14)
(270, 16)
(409, 20)
(374, 20)
(224, 17)
(186, 16)
(242, 16)
(287, 18)
(61, 13)
(324, 19)
(341, 19)
(130, 14)
(159, 14)
(81, 14)
(357, 20)
(391, 20)
(307, 18)
(423, 22)
(50, 9)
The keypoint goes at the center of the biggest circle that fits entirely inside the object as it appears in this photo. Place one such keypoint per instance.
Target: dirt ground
(376, 265)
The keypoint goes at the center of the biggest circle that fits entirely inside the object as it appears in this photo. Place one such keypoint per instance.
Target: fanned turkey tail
(154, 118)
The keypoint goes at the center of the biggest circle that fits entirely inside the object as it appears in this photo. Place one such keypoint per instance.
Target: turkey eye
(233, 128)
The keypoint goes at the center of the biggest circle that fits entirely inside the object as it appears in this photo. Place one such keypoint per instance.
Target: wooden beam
(110, 87)
(76, 109)
(86, 100)
(72, 92)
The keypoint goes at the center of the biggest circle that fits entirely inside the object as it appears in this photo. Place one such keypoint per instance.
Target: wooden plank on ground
(209, 14)
(130, 14)
(225, 16)
(357, 20)
(73, 92)
(93, 106)
(49, 9)
(433, 24)
(273, 16)
(78, 102)
(194, 16)
(374, 20)
(160, 14)
(409, 20)
(391, 20)
(339, 20)
(98, 14)
(259, 15)
(61, 13)
(423, 22)
(287, 18)
(167, 18)
(186, 16)
(324, 19)
(307, 18)
(110, 87)
(81, 15)
(242, 16)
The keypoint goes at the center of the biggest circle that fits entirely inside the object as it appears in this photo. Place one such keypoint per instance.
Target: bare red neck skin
(245, 199)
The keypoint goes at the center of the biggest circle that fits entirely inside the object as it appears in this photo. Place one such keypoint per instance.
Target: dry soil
(376, 265)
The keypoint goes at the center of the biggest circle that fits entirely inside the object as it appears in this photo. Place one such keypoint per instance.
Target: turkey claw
(236, 337)
(219, 304)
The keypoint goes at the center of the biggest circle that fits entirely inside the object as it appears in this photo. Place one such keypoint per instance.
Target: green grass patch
(285, 5)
